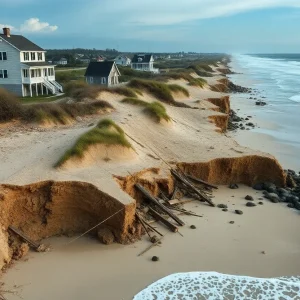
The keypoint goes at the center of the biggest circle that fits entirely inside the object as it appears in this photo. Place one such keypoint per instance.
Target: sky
(230, 26)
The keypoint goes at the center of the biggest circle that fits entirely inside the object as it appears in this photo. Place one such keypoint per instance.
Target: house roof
(145, 58)
(21, 43)
(100, 68)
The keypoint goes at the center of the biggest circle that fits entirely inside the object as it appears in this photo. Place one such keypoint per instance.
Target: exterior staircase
(53, 86)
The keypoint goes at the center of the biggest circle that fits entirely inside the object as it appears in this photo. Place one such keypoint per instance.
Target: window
(32, 73)
(103, 80)
(26, 56)
(3, 74)
(3, 56)
(39, 73)
(25, 73)
(32, 55)
(50, 72)
(40, 56)
(45, 72)
(91, 80)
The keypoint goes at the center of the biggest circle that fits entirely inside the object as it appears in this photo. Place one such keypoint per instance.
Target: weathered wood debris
(166, 208)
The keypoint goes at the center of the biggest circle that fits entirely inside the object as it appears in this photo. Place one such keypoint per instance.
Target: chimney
(6, 31)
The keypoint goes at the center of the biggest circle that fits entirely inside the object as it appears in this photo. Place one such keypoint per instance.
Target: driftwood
(189, 213)
(202, 182)
(150, 226)
(161, 206)
(37, 247)
(150, 247)
(144, 226)
(177, 201)
(193, 189)
(159, 217)
(174, 192)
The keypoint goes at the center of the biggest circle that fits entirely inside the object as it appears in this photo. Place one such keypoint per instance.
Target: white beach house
(122, 60)
(143, 62)
(23, 69)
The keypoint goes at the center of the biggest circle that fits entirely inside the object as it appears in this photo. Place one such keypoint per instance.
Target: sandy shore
(89, 270)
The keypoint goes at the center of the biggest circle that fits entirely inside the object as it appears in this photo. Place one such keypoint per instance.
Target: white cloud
(6, 25)
(35, 25)
(168, 12)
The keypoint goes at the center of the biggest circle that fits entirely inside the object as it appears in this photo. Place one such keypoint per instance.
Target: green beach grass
(106, 132)
(158, 111)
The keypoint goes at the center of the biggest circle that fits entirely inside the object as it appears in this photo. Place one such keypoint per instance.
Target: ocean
(276, 77)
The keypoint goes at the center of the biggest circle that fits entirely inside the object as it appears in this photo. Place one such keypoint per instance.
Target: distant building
(60, 61)
(100, 58)
(143, 62)
(84, 59)
(123, 60)
(104, 73)
(23, 69)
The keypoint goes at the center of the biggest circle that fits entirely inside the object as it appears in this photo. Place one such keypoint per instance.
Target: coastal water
(212, 286)
(277, 81)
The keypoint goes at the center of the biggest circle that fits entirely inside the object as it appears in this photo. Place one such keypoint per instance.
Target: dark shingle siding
(21, 43)
(146, 58)
(99, 69)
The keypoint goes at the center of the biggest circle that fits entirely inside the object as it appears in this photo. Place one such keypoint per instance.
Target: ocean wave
(295, 98)
(216, 286)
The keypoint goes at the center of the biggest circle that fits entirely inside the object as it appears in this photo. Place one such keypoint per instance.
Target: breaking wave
(216, 286)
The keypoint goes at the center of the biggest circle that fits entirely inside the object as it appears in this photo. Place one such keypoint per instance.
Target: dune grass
(161, 91)
(179, 89)
(107, 132)
(134, 101)
(158, 111)
(80, 91)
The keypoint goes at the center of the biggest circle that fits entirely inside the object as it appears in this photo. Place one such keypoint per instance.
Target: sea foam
(216, 286)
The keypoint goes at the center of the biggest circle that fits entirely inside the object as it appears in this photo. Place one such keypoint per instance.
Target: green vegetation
(134, 101)
(106, 132)
(63, 76)
(179, 89)
(81, 90)
(127, 74)
(158, 111)
(159, 90)
(11, 108)
(39, 99)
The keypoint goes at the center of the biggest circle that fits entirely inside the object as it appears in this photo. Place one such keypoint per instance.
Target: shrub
(158, 111)
(134, 101)
(10, 107)
(106, 132)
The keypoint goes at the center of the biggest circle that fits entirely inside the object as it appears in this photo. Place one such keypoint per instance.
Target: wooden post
(161, 206)
(30, 87)
(159, 217)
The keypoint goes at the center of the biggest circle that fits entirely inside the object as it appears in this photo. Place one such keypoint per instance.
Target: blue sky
(232, 26)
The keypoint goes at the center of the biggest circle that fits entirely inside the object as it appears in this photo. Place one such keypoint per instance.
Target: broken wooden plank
(186, 212)
(159, 217)
(161, 206)
(186, 182)
(202, 181)
(153, 228)
(144, 226)
(177, 201)
(37, 247)
(150, 247)
(174, 192)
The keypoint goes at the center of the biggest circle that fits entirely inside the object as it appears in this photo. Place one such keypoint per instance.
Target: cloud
(35, 25)
(6, 25)
(169, 12)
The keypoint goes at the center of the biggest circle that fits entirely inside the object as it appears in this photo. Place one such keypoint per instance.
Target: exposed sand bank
(89, 270)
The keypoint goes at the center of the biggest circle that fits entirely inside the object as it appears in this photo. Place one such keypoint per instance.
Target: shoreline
(242, 243)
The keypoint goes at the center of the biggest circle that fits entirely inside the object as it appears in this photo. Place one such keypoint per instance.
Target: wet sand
(88, 270)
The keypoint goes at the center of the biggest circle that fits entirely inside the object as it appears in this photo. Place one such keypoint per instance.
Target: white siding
(12, 64)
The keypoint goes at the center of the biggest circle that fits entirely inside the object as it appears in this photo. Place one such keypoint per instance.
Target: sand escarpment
(45, 209)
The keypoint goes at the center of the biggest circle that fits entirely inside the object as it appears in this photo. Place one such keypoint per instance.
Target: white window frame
(32, 56)
(91, 79)
(40, 56)
(103, 80)
(2, 74)
(26, 56)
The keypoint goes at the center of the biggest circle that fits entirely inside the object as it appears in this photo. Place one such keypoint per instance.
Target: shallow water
(212, 286)
(277, 79)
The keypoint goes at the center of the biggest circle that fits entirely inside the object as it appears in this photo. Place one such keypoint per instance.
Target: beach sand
(88, 270)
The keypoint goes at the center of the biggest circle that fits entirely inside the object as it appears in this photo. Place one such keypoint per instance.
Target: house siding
(12, 65)
(13, 88)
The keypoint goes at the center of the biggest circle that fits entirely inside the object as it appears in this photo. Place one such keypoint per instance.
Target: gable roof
(100, 68)
(21, 43)
(145, 58)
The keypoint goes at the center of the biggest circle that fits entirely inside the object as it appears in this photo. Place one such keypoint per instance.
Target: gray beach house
(104, 73)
